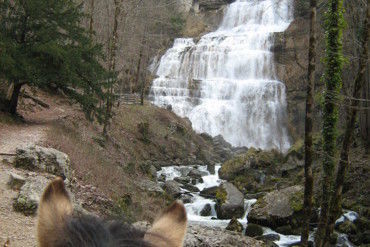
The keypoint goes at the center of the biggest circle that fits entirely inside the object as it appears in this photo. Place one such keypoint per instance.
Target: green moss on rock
(24, 205)
(221, 195)
(252, 158)
(296, 201)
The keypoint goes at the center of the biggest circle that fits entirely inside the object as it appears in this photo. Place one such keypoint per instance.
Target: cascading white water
(226, 83)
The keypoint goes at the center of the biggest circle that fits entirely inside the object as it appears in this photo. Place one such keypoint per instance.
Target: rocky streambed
(215, 203)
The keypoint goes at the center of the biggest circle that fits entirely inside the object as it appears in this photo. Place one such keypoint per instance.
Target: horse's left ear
(55, 206)
(170, 228)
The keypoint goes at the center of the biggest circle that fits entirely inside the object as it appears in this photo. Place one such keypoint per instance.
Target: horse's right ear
(170, 228)
(55, 206)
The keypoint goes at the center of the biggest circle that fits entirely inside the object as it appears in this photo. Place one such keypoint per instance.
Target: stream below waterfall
(197, 203)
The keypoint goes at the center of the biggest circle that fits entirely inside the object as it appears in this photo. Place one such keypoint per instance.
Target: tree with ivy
(43, 45)
(352, 112)
(334, 60)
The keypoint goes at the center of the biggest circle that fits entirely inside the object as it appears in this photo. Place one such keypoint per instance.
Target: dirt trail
(19, 229)
(20, 136)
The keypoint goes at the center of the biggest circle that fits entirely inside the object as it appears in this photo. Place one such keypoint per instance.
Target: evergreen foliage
(43, 45)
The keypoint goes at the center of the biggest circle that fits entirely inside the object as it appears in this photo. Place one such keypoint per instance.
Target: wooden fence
(129, 99)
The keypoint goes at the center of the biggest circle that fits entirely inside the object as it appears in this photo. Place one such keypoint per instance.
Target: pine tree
(43, 45)
(334, 25)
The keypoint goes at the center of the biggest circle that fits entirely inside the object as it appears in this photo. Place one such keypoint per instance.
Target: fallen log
(37, 101)
(7, 154)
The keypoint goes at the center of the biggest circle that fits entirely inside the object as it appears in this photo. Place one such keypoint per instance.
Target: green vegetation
(253, 158)
(221, 195)
(43, 45)
(296, 201)
(334, 60)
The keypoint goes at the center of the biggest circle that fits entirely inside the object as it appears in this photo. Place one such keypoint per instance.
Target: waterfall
(226, 82)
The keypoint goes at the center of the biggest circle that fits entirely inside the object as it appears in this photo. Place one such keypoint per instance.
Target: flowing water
(198, 202)
(226, 83)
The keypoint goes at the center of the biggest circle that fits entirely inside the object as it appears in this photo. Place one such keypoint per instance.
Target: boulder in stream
(235, 226)
(209, 192)
(172, 188)
(207, 210)
(279, 208)
(253, 230)
(230, 202)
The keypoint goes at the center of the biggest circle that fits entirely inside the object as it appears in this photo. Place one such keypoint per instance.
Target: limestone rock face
(230, 202)
(291, 57)
(213, 4)
(278, 208)
(44, 159)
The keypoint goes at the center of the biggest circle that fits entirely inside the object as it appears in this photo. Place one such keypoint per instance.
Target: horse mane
(88, 230)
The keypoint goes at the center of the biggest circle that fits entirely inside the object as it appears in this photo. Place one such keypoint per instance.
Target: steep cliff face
(291, 49)
(202, 16)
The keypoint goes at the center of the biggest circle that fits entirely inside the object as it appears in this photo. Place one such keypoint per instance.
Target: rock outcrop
(15, 181)
(291, 57)
(30, 194)
(253, 171)
(207, 5)
(44, 159)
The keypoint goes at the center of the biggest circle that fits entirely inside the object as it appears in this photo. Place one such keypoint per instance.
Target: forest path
(19, 229)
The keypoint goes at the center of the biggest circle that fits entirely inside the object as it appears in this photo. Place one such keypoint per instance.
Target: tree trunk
(336, 200)
(308, 192)
(13, 103)
(365, 113)
(112, 64)
(138, 76)
(91, 22)
(333, 81)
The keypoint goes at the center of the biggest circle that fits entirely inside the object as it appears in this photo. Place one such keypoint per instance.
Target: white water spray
(226, 83)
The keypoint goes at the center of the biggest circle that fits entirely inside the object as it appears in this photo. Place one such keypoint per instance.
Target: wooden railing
(129, 99)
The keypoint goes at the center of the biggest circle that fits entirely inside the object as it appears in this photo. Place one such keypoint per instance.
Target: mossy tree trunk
(308, 191)
(334, 24)
(336, 200)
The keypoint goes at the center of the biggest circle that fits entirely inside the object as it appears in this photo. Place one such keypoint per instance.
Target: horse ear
(170, 228)
(55, 206)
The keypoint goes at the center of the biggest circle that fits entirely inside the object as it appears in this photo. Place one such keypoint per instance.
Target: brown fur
(172, 224)
(55, 215)
(55, 207)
